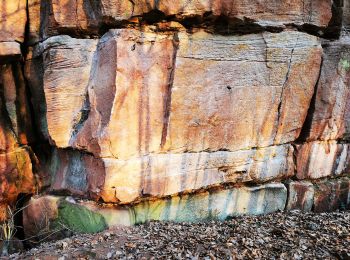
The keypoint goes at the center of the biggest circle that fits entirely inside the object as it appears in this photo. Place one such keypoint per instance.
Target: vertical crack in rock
(133, 7)
(283, 89)
(306, 127)
(82, 116)
(168, 93)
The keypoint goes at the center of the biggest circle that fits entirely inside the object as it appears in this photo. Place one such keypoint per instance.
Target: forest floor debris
(292, 235)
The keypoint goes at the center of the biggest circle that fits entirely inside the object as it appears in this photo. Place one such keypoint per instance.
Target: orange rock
(16, 102)
(238, 92)
(66, 78)
(16, 175)
(330, 119)
(321, 159)
(13, 19)
(35, 7)
(9, 51)
(168, 174)
(84, 17)
(139, 93)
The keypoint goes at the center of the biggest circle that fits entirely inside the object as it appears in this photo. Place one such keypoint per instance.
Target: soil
(292, 235)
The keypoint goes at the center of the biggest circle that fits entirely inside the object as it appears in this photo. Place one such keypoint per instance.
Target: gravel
(293, 235)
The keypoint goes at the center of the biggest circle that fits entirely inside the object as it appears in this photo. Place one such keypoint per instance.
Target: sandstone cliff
(174, 110)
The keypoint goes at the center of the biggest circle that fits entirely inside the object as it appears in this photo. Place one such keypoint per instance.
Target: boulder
(67, 67)
(331, 195)
(300, 196)
(170, 116)
(52, 217)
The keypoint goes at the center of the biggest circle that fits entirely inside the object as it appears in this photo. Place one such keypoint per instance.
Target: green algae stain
(345, 64)
(79, 219)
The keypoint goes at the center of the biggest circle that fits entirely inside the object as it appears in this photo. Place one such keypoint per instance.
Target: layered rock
(87, 17)
(210, 205)
(131, 102)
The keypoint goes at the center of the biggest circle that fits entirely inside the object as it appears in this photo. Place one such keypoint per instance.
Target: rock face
(87, 17)
(172, 110)
(13, 20)
(136, 105)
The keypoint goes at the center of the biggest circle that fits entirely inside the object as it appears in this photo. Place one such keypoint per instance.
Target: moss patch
(345, 64)
(79, 219)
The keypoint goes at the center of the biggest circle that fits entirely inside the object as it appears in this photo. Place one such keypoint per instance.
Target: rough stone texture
(215, 205)
(76, 173)
(167, 174)
(85, 17)
(127, 95)
(67, 65)
(16, 104)
(332, 195)
(41, 212)
(172, 117)
(38, 214)
(256, 77)
(330, 118)
(13, 19)
(321, 159)
(131, 99)
(300, 196)
(9, 51)
(16, 175)
(278, 74)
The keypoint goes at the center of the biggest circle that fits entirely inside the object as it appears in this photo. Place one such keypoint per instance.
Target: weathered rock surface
(332, 195)
(86, 17)
(169, 116)
(330, 118)
(16, 175)
(215, 205)
(300, 196)
(16, 170)
(131, 101)
(67, 65)
(321, 159)
(168, 174)
(43, 213)
(13, 20)
(9, 51)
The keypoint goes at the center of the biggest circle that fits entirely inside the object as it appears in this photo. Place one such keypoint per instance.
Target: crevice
(283, 89)
(306, 128)
(168, 92)
(81, 118)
